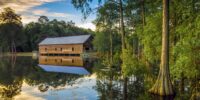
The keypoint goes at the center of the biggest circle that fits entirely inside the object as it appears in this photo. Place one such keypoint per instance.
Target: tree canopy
(25, 38)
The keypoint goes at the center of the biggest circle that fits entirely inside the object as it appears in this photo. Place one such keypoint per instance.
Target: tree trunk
(122, 25)
(111, 48)
(142, 3)
(163, 84)
(13, 61)
(13, 48)
(125, 88)
(0, 50)
(111, 86)
(181, 84)
(143, 13)
(15, 51)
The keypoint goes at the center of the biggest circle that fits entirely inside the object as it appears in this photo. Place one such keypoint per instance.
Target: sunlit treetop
(9, 16)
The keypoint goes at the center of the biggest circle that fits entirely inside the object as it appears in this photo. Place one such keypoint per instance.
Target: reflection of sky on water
(81, 90)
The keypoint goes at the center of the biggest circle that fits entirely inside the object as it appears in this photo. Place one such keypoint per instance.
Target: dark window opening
(55, 49)
(87, 48)
(72, 49)
(72, 60)
(55, 60)
(45, 49)
(60, 49)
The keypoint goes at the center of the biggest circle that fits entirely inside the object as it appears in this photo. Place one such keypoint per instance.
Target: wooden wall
(61, 49)
(88, 45)
(61, 60)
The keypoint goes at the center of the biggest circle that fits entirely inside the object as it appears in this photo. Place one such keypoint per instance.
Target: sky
(30, 10)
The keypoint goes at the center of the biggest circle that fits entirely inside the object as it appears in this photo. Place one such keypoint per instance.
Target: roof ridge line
(69, 36)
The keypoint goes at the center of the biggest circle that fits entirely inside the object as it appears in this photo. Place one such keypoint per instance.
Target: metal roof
(66, 40)
(65, 69)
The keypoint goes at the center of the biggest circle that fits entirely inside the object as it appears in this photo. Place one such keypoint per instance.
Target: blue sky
(30, 10)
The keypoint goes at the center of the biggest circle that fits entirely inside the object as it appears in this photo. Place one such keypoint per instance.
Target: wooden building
(66, 45)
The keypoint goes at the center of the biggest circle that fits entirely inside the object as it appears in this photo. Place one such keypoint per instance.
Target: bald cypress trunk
(143, 13)
(125, 88)
(111, 48)
(163, 84)
(142, 3)
(122, 25)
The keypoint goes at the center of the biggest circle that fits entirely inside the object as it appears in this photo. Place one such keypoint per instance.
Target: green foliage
(8, 16)
(27, 38)
(35, 32)
(131, 65)
(150, 38)
(101, 42)
(10, 29)
(144, 38)
(117, 59)
(186, 51)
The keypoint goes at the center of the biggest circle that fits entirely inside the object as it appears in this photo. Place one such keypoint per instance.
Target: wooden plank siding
(61, 49)
(61, 60)
(66, 45)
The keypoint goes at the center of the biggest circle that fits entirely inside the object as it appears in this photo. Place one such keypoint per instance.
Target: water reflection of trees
(10, 78)
(25, 69)
(111, 85)
(45, 80)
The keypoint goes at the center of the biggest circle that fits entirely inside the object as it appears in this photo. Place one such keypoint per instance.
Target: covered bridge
(66, 45)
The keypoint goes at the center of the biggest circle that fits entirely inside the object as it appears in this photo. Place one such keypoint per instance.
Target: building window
(55, 49)
(60, 49)
(72, 49)
(46, 49)
(87, 48)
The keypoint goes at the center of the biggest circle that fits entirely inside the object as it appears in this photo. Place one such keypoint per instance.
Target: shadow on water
(54, 72)
(157, 97)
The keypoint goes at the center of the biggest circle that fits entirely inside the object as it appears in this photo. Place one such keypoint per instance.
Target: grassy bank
(89, 55)
(85, 55)
(19, 54)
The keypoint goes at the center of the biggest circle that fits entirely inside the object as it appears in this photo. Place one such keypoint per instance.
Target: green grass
(89, 55)
(20, 54)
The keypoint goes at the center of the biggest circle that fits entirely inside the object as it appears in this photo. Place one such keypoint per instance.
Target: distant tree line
(16, 37)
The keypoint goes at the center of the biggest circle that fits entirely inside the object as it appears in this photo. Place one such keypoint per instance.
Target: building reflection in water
(65, 64)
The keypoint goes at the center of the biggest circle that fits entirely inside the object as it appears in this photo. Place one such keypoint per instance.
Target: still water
(75, 78)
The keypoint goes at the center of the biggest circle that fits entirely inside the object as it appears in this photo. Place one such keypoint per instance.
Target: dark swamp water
(74, 78)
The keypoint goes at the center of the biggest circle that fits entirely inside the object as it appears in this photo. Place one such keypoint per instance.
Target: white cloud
(29, 14)
(45, 12)
(29, 92)
(29, 18)
(21, 6)
(88, 25)
(25, 96)
(25, 9)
